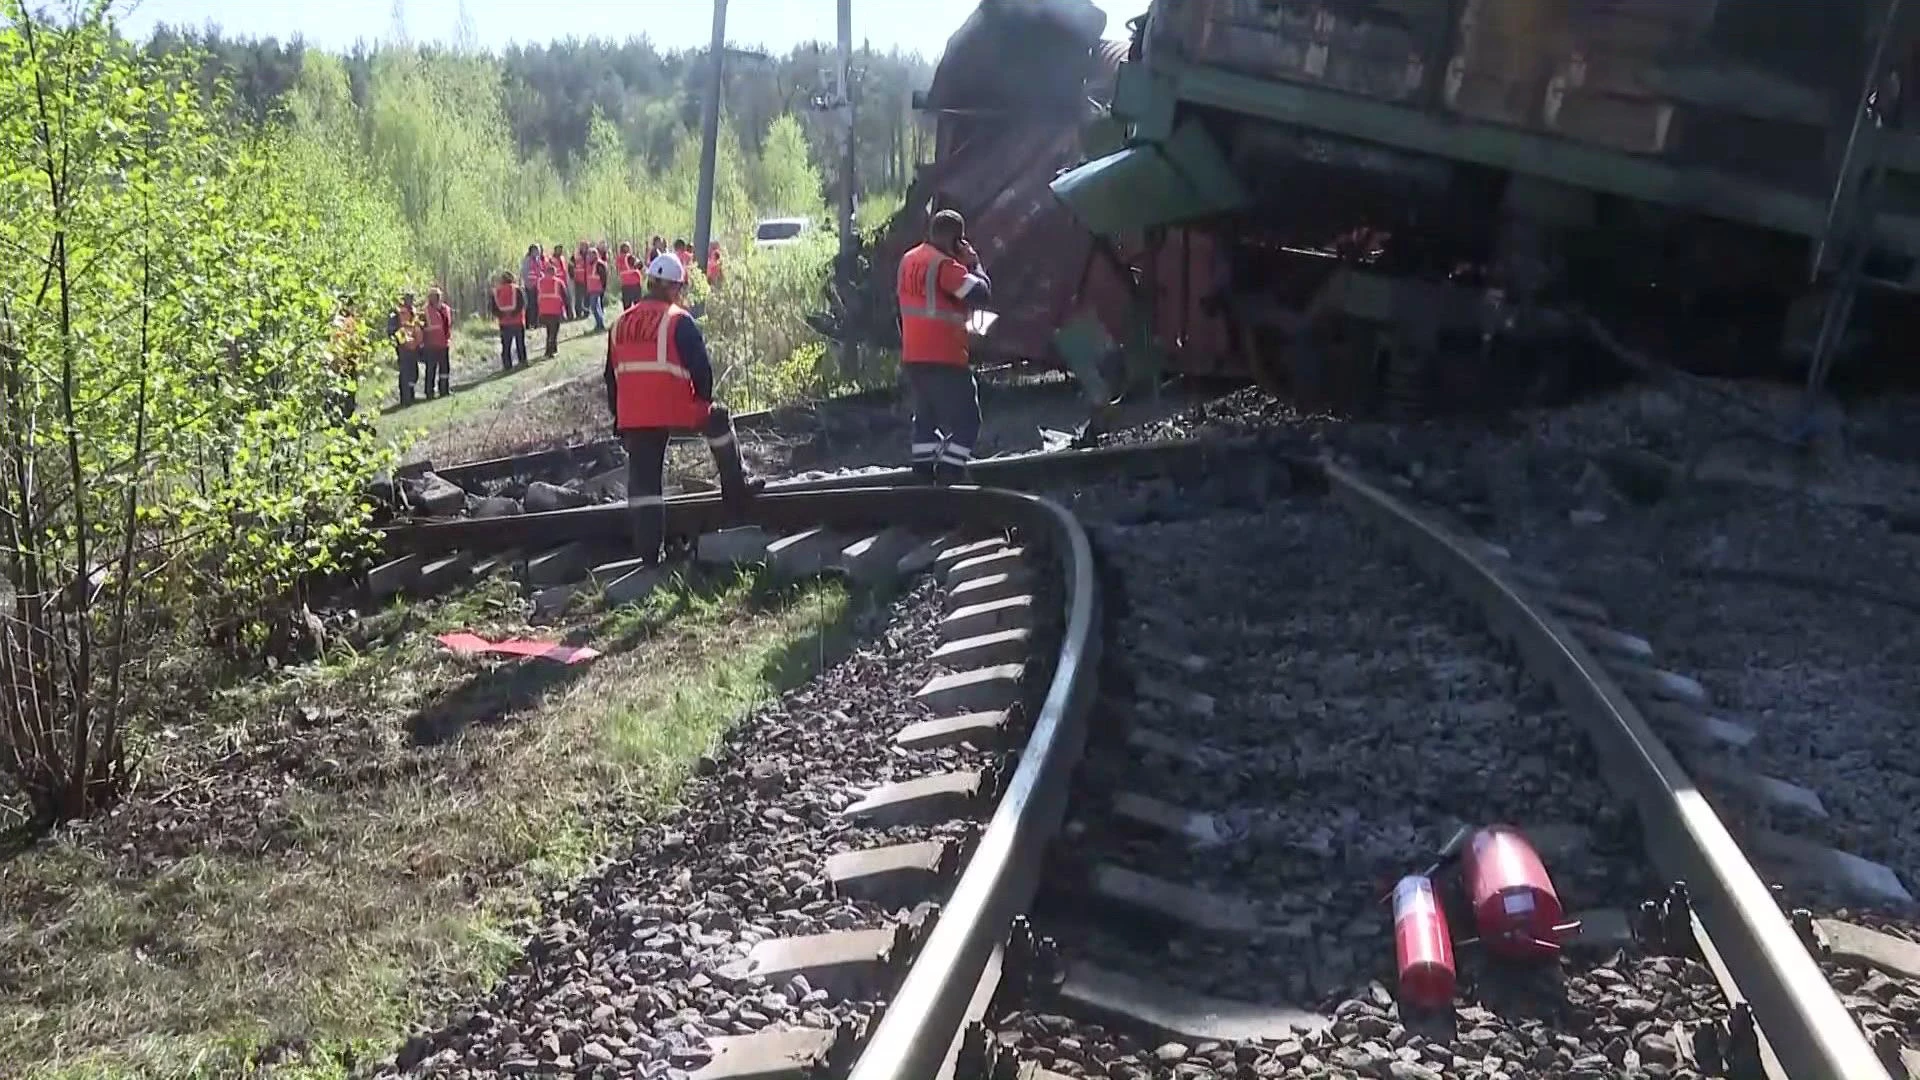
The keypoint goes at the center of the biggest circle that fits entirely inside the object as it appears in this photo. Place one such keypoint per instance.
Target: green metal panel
(1083, 343)
(1103, 135)
(1443, 136)
(1151, 184)
(1145, 100)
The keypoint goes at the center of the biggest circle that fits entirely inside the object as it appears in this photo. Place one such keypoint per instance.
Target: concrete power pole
(710, 139)
(849, 351)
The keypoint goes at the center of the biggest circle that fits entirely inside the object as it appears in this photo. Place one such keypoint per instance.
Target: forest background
(479, 154)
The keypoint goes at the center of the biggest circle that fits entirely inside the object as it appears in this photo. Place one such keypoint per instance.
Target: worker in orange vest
(552, 290)
(408, 335)
(659, 380)
(715, 275)
(597, 289)
(684, 252)
(509, 307)
(631, 277)
(557, 264)
(529, 275)
(582, 273)
(940, 281)
(437, 344)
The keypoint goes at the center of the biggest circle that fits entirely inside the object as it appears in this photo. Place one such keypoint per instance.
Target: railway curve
(1742, 933)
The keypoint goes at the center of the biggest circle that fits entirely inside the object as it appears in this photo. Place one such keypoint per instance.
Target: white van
(780, 231)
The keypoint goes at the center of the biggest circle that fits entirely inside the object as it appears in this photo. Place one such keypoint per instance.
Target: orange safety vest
(596, 277)
(581, 265)
(553, 300)
(630, 275)
(507, 299)
(651, 387)
(686, 259)
(715, 273)
(439, 326)
(411, 332)
(933, 325)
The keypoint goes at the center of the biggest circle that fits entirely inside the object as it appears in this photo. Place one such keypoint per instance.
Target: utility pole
(710, 140)
(849, 350)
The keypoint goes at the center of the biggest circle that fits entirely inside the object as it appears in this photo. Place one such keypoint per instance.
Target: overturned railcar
(1406, 197)
(1014, 99)
(1410, 204)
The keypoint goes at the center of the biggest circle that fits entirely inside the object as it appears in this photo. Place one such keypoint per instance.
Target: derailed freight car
(1012, 101)
(1401, 189)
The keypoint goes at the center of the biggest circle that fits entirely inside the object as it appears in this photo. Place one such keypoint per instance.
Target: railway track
(963, 845)
(1783, 698)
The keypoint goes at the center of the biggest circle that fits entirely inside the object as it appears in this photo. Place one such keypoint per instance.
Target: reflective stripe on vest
(507, 299)
(930, 332)
(652, 388)
(660, 364)
(932, 309)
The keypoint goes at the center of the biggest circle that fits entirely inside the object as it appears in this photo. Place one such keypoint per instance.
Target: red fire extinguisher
(1515, 907)
(1422, 945)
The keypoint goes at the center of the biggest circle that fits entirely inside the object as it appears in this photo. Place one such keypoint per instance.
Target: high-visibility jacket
(715, 273)
(582, 267)
(553, 295)
(596, 276)
(652, 388)
(630, 274)
(686, 259)
(439, 326)
(557, 265)
(933, 324)
(412, 332)
(506, 303)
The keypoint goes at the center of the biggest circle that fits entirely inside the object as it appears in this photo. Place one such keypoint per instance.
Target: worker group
(552, 287)
(660, 379)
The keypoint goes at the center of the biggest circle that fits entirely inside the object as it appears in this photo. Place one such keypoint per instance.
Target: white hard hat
(666, 266)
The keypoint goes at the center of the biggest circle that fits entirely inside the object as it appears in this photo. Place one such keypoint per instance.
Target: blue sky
(922, 25)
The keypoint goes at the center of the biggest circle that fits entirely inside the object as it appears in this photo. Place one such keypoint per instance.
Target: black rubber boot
(735, 485)
(646, 538)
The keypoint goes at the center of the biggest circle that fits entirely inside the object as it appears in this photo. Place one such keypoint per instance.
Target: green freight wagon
(1410, 196)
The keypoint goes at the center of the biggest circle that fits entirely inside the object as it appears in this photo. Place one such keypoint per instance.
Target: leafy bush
(172, 459)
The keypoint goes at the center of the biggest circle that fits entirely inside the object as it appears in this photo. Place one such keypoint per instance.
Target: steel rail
(572, 455)
(703, 511)
(1808, 1028)
(925, 1016)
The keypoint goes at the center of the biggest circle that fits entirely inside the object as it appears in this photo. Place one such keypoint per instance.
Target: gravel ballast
(1358, 716)
(1796, 612)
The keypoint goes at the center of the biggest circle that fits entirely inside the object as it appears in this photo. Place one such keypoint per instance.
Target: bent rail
(926, 1016)
(1808, 1028)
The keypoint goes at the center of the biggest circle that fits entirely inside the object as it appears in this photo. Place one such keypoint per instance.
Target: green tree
(788, 183)
(171, 461)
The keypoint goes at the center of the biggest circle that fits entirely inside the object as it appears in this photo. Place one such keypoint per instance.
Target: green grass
(342, 878)
(491, 414)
